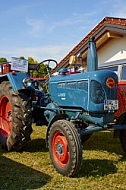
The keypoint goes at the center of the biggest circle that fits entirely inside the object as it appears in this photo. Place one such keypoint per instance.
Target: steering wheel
(49, 61)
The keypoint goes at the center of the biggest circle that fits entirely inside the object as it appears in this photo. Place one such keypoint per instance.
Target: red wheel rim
(5, 116)
(60, 148)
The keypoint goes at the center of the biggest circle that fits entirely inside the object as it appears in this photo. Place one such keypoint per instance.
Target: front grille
(97, 92)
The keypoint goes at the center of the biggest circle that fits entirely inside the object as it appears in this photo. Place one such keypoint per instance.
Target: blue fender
(14, 79)
(51, 111)
(53, 114)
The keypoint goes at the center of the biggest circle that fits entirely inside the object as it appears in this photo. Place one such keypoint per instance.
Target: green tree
(22, 57)
(42, 72)
(2, 60)
(32, 61)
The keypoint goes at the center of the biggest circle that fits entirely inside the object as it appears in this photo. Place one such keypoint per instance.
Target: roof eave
(108, 28)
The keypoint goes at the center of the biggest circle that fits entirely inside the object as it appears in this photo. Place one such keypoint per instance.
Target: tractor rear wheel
(15, 118)
(65, 147)
(123, 139)
(122, 120)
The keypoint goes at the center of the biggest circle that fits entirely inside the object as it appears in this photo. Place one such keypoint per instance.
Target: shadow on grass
(98, 141)
(104, 141)
(14, 175)
(97, 168)
(36, 145)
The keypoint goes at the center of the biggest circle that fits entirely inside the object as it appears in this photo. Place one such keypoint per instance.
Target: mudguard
(14, 79)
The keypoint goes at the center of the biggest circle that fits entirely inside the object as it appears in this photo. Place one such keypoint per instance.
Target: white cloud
(35, 27)
(39, 53)
(118, 8)
(120, 12)
(75, 20)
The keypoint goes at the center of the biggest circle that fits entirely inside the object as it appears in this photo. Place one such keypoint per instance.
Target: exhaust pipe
(92, 59)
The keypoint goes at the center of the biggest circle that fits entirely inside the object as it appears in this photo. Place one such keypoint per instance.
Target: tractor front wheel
(15, 118)
(65, 147)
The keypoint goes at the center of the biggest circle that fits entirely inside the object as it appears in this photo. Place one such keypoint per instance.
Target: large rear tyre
(15, 118)
(123, 139)
(122, 120)
(65, 147)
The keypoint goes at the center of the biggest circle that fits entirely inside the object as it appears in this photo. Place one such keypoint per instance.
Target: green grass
(103, 166)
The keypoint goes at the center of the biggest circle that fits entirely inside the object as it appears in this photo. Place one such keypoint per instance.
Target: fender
(15, 79)
(55, 118)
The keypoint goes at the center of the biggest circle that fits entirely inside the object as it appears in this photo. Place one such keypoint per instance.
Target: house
(110, 37)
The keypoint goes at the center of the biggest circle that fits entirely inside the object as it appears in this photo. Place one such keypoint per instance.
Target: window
(124, 73)
(115, 68)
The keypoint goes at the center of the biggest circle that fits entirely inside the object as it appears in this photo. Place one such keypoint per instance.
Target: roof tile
(106, 20)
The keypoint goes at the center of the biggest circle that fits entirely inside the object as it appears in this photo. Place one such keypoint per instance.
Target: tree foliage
(42, 72)
(22, 57)
(2, 60)
(32, 61)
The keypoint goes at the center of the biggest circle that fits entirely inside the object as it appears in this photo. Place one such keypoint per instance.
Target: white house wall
(114, 49)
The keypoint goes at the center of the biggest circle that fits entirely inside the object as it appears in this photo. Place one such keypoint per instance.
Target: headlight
(26, 82)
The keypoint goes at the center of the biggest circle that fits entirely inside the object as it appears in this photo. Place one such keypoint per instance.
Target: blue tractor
(76, 105)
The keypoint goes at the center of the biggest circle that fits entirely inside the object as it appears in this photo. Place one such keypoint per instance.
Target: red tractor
(120, 69)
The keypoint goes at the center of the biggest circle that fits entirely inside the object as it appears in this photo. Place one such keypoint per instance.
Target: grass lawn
(103, 166)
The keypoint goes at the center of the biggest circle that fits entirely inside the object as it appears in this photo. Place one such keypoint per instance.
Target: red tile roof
(106, 24)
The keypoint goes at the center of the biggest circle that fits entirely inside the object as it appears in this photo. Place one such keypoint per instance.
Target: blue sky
(44, 29)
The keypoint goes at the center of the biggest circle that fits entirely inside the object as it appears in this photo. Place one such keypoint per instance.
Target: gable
(109, 36)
